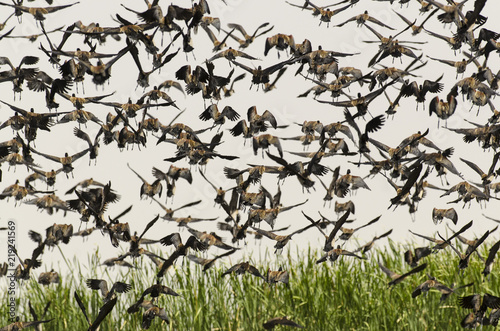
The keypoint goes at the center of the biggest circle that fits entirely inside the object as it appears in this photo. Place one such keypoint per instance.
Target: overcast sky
(282, 102)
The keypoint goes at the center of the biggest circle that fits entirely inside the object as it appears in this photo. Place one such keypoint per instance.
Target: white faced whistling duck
(397, 278)
(38, 12)
(439, 214)
(489, 260)
(248, 38)
(208, 263)
(242, 268)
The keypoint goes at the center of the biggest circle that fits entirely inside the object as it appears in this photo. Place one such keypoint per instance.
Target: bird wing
(239, 28)
(425, 237)
(47, 156)
(391, 274)
(369, 223)
(198, 260)
(203, 175)
(492, 253)
(103, 312)
(195, 244)
(412, 179)
(473, 166)
(254, 271)
(143, 180)
(78, 155)
(244, 67)
(98, 284)
(149, 225)
(121, 287)
(383, 235)
(230, 113)
(172, 239)
(469, 301)
(412, 271)
(82, 307)
(232, 269)
(376, 21)
(268, 234)
(338, 225)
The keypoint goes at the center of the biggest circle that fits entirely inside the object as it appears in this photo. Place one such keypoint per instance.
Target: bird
(348, 182)
(208, 263)
(149, 315)
(18, 325)
(231, 54)
(243, 267)
(443, 109)
(218, 45)
(373, 125)
(460, 66)
(281, 240)
(210, 239)
(450, 11)
(326, 14)
(156, 290)
(464, 258)
(397, 278)
(93, 145)
(46, 278)
(491, 257)
(220, 193)
(419, 91)
(119, 261)
(431, 282)
(34, 121)
(38, 12)
(147, 189)
(369, 245)
(85, 184)
(219, 117)
(453, 42)
(248, 39)
(418, 253)
(103, 311)
(101, 72)
(264, 141)
(486, 178)
(442, 244)
(362, 19)
(261, 75)
(66, 161)
(335, 253)
(169, 213)
(439, 214)
(479, 303)
(280, 41)
(102, 285)
(347, 233)
(416, 29)
(272, 85)
(281, 275)
(180, 248)
(439, 160)
(49, 177)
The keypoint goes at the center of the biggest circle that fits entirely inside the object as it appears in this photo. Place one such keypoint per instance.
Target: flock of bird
(152, 37)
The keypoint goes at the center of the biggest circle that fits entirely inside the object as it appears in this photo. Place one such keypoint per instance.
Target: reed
(346, 295)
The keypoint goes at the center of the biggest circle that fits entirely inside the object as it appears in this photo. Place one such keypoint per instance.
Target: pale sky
(282, 102)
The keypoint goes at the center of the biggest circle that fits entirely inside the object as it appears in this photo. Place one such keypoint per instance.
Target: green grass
(346, 295)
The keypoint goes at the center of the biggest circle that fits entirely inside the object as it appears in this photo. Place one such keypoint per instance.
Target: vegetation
(349, 294)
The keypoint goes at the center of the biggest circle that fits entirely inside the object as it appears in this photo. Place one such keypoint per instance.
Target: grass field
(349, 294)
